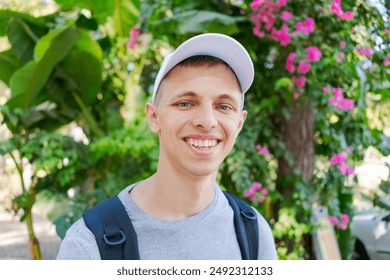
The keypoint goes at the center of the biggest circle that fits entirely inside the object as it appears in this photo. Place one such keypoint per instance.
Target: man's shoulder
(78, 229)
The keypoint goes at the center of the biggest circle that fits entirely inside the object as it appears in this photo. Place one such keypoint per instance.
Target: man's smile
(202, 142)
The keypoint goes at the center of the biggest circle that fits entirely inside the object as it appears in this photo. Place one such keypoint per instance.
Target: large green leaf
(199, 22)
(23, 36)
(28, 81)
(6, 15)
(47, 116)
(8, 65)
(126, 16)
(120, 15)
(99, 9)
(84, 66)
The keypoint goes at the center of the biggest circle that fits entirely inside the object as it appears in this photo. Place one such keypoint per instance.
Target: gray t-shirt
(209, 234)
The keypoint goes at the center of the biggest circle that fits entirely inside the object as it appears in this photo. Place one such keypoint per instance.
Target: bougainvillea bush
(320, 67)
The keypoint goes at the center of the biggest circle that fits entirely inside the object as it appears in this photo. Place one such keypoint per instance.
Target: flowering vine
(336, 9)
(341, 223)
(262, 150)
(339, 160)
(338, 101)
(256, 193)
(134, 34)
(265, 15)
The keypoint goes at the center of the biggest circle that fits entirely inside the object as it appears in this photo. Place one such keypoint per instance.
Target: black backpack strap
(246, 225)
(113, 230)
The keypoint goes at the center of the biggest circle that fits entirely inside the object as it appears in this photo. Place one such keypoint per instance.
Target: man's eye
(224, 107)
(183, 104)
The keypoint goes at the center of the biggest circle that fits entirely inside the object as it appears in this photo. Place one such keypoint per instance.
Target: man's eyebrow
(186, 94)
(195, 95)
(227, 96)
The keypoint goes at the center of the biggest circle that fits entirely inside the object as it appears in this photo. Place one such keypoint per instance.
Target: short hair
(200, 60)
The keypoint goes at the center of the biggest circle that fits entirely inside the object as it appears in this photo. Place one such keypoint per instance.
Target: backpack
(117, 239)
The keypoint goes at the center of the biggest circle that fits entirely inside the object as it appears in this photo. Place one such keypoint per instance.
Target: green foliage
(28, 81)
(195, 21)
(287, 225)
(73, 67)
(9, 64)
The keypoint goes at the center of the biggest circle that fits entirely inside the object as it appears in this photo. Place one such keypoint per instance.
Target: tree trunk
(34, 247)
(298, 135)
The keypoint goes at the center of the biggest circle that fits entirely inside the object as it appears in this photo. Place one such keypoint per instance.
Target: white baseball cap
(217, 45)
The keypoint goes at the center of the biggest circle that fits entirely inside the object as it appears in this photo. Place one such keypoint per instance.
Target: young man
(197, 113)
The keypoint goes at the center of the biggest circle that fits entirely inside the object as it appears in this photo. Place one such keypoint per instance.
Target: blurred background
(75, 76)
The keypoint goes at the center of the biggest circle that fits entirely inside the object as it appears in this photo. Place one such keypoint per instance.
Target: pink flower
(344, 218)
(333, 220)
(308, 25)
(303, 67)
(313, 54)
(269, 22)
(386, 62)
(134, 34)
(342, 223)
(339, 102)
(250, 194)
(305, 27)
(343, 168)
(256, 190)
(282, 3)
(286, 16)
(256, 186)
(332, 101)
(342, 44)
(299, 81)
(290, 62)
(340, 57)
(364, 51)
(335, 8)
(342, 226)
(256, 4)
(338, 158)
(348, 16)
(325, 89)
(282, 35)
(338, 93)
(262, 150)
(347, 104)
(256, 31)
(296, 95)
(350, 171)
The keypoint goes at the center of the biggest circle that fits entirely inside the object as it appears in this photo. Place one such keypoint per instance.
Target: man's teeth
(202, 143)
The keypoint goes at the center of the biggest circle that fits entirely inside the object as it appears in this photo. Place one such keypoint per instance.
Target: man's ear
(152, 116)
(242, 120)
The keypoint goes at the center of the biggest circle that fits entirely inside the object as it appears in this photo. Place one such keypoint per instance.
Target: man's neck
(168, 196)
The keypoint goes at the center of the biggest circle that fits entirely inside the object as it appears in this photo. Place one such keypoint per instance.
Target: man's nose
(205, 118)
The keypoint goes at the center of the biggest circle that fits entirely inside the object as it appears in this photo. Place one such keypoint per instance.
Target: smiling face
(197, 118)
